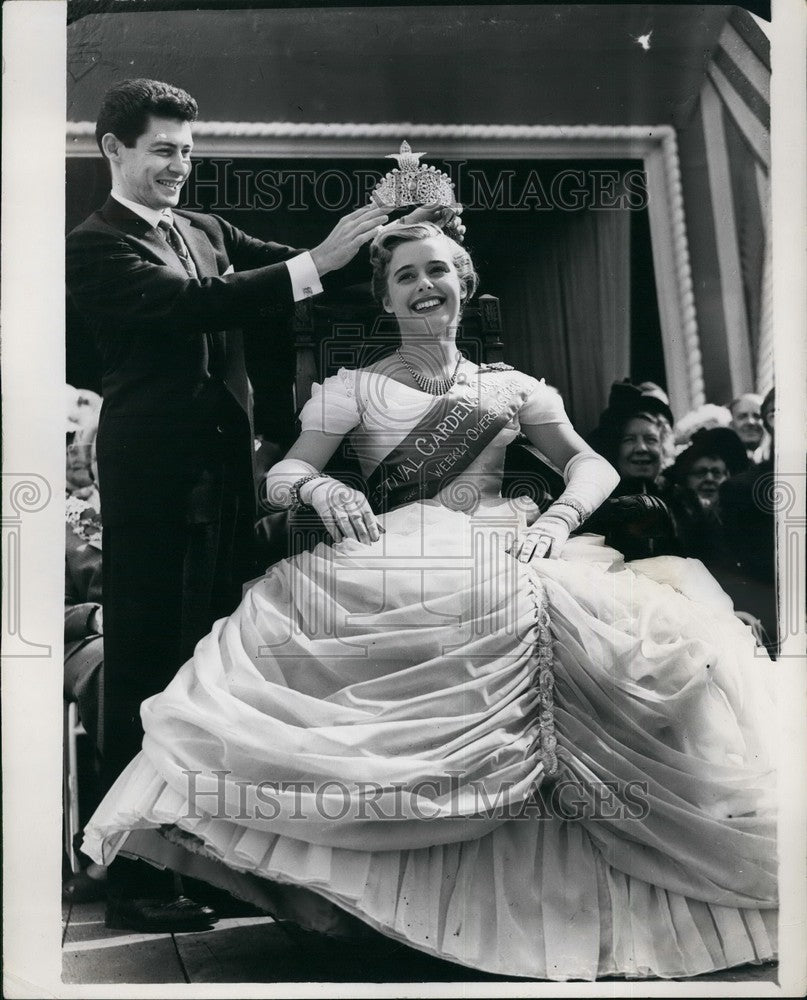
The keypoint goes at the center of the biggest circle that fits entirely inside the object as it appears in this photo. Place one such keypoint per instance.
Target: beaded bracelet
(294, 490)
(575, 506)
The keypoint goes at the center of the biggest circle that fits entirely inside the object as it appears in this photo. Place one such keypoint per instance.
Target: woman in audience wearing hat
(635, 435)
(712, 457)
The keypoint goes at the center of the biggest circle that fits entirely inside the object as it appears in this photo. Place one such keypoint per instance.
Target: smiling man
(746, 420)
(161, 290)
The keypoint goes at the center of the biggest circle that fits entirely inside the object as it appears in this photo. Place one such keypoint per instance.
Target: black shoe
(159, 916)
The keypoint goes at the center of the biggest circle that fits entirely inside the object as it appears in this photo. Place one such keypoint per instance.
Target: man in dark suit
(161, 290)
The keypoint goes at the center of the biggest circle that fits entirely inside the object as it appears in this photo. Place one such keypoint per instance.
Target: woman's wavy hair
(383, 246)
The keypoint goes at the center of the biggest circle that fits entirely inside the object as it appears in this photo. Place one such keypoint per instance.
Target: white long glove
(590, 480)
(345, 512)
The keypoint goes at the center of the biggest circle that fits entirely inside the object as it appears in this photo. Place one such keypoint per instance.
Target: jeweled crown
(413, 183)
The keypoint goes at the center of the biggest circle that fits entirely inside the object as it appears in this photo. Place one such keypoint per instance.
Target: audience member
(713, 456)
(642, 451)
(746, 420)
(634, 434)
(655, 511)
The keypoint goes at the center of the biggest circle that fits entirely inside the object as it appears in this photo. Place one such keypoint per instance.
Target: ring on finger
(527, 550)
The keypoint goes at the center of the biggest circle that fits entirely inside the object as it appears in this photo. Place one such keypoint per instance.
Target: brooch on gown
(496, 366)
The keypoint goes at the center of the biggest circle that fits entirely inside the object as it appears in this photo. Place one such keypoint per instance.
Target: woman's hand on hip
(542, 540)
(345, 512)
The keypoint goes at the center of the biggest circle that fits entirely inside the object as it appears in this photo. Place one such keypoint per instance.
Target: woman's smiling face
(639, 450)
(424, 290)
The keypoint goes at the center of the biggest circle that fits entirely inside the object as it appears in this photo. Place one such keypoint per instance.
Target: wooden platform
(259, 950)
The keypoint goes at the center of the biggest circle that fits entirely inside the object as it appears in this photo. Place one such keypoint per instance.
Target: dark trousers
(164, 585)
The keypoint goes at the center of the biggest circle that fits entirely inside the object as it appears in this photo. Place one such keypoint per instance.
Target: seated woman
(542, 764)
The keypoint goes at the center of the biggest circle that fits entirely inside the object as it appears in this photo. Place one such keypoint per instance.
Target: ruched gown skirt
(554, 770)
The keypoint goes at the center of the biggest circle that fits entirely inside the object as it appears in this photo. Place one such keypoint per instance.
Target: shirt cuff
(305, 281)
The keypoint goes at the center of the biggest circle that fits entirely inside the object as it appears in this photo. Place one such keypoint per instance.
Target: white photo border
(33, 344)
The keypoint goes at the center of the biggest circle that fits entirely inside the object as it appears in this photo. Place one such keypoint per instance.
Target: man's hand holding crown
(448, 217)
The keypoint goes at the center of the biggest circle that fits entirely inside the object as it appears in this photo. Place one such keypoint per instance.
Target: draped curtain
(735, 112)
(566, 308)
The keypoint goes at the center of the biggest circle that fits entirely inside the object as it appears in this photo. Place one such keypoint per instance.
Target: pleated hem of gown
(642, 931)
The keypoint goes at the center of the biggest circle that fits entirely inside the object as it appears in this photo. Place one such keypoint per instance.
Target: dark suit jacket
(166, 420)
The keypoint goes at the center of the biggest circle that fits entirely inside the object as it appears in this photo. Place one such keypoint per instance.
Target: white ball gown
(557, 769)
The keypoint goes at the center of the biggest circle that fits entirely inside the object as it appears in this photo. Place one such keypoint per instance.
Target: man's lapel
(199, 246)
(123, 218)
(130, 222)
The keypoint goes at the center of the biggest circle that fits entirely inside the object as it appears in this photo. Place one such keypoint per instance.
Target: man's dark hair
(127, 106)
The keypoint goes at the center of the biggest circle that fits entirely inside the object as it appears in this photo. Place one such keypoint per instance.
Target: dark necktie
(173, 240)
(215, 342)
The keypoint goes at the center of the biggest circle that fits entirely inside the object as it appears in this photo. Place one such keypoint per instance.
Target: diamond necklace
(438, 386)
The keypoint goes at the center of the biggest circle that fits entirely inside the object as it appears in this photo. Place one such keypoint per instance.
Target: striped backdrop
(735, 117)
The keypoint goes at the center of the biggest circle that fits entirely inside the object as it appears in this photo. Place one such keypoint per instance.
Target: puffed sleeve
(544, 405)
(333, 405)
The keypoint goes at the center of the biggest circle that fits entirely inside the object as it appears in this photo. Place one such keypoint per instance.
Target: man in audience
(746, 420)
